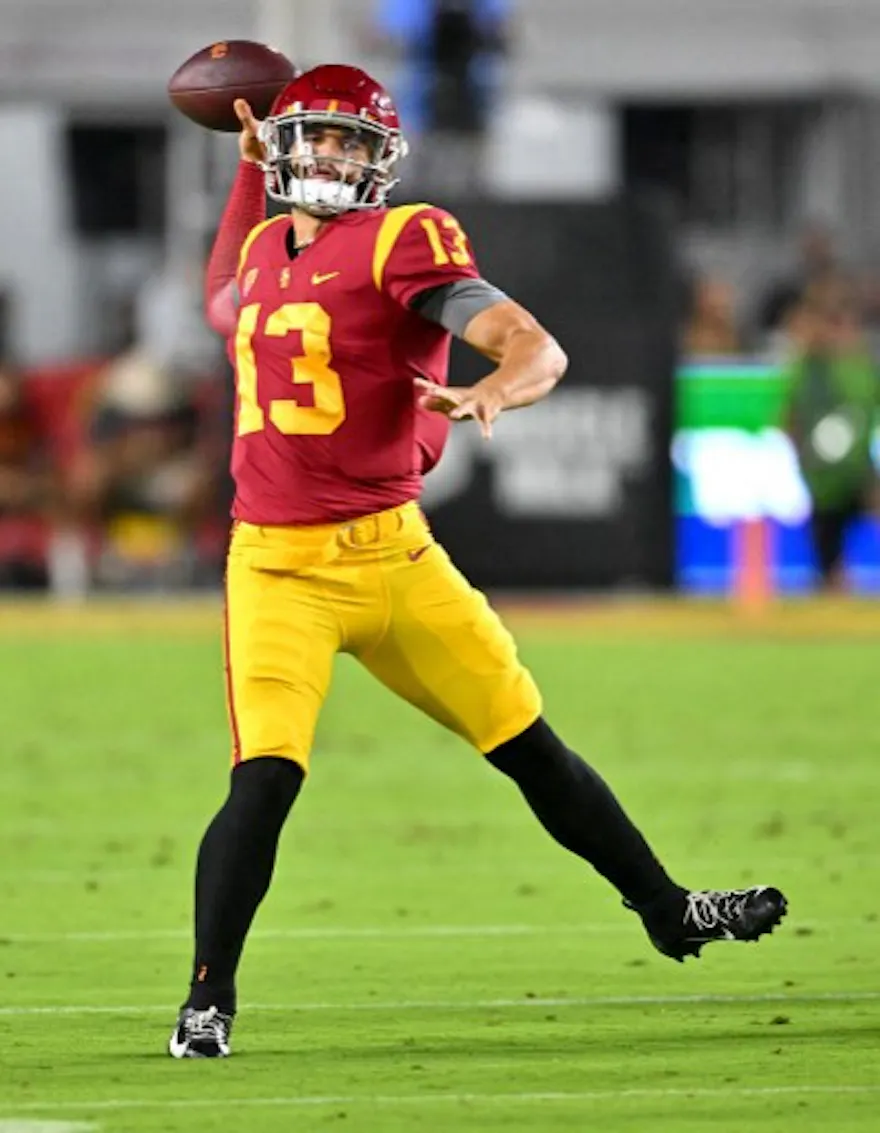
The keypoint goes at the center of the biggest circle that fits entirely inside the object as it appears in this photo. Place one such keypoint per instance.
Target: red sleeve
(420, 247)
(245, 208)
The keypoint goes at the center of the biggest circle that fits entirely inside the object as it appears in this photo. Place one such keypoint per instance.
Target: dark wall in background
(575, 491)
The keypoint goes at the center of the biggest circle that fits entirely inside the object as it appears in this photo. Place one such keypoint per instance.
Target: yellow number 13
(458, 254)
(312, 368)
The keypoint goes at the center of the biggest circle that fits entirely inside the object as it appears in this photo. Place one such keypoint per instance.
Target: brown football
(205, 86)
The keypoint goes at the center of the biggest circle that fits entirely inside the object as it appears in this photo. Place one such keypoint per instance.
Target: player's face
(333, 153)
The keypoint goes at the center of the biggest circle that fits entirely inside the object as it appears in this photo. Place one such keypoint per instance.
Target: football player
(339, 314)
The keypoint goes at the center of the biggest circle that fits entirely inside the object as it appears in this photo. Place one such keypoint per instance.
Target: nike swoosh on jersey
(414, 556)
(323, 277)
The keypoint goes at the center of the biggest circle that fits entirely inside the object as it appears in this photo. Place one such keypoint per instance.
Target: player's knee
(531, 750)
(267, 784)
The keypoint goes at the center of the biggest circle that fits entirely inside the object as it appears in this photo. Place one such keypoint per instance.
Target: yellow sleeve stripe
(253, 234)
(395, 221)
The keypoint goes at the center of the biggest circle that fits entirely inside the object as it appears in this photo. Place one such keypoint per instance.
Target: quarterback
(339, 314)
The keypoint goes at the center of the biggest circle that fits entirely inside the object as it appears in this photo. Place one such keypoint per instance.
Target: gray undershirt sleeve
(454, 304)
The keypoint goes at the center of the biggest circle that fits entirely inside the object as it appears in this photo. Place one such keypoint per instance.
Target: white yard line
(381, 932)
(466, 1005)
(329, 933)
(23, 1126)
(428, 1099)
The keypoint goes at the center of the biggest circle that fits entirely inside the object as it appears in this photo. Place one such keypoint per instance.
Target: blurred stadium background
(681, 201)
(687, 192)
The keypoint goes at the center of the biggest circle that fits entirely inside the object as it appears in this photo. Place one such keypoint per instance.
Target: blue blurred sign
(731, 461)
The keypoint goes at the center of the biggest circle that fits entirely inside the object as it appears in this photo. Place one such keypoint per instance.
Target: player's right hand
(249, 145)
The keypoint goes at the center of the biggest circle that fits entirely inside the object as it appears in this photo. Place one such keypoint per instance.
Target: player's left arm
(528, 364)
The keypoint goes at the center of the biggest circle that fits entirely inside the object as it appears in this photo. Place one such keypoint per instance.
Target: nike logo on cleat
(414, 556)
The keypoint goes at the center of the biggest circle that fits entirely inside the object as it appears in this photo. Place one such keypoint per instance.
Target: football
(206, 85)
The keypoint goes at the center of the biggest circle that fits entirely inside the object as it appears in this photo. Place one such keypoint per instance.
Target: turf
(428, 959)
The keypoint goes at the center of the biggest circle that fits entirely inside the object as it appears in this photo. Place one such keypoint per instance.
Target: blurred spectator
(451, 53)
(830, 414)
(868, 289)
(168, 320)
(151, 472)
(464, 36)
(817, 261)
(27, 485)
(711, 328)
(22, 477)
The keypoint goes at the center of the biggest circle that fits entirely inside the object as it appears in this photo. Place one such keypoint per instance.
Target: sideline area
(612, 615)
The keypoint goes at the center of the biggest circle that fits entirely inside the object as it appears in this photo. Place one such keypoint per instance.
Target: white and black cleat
(719, 914)
(201, 1034)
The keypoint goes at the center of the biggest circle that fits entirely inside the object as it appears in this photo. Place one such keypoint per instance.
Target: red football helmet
(360, 175)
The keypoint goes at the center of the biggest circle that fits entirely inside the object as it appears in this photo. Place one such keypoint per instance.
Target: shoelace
(206, 1025)
(712, 908)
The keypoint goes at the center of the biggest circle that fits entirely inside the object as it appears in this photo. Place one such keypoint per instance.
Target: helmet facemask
(359, 177)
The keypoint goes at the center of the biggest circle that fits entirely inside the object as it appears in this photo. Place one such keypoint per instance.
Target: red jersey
(325, 353)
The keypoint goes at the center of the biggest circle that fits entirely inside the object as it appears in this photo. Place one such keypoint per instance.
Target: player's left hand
(458, 402)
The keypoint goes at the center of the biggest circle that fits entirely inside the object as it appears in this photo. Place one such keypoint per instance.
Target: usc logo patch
(249, 280)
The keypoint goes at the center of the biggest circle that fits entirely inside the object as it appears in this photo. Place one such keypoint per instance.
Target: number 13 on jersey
(458, 254)
(312, 368)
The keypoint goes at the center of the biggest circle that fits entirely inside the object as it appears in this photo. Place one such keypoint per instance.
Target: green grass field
(427, 958)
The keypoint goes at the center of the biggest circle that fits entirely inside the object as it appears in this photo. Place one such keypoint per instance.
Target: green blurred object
(729, 394)
(831, 408)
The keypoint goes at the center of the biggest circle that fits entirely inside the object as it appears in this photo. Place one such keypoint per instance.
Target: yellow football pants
(383, 590)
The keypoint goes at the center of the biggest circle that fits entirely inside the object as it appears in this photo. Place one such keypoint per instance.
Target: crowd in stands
(720, 320)
(113, 472)
(821, 324)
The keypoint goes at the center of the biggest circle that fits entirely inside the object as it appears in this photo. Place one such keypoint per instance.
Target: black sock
(575, 805)
(235, 864)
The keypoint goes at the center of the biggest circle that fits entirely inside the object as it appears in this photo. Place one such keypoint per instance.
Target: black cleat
(718, 914)
(201, 1034)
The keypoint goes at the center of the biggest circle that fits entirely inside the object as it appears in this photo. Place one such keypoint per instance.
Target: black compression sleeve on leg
(235, 864)
(577, 808)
